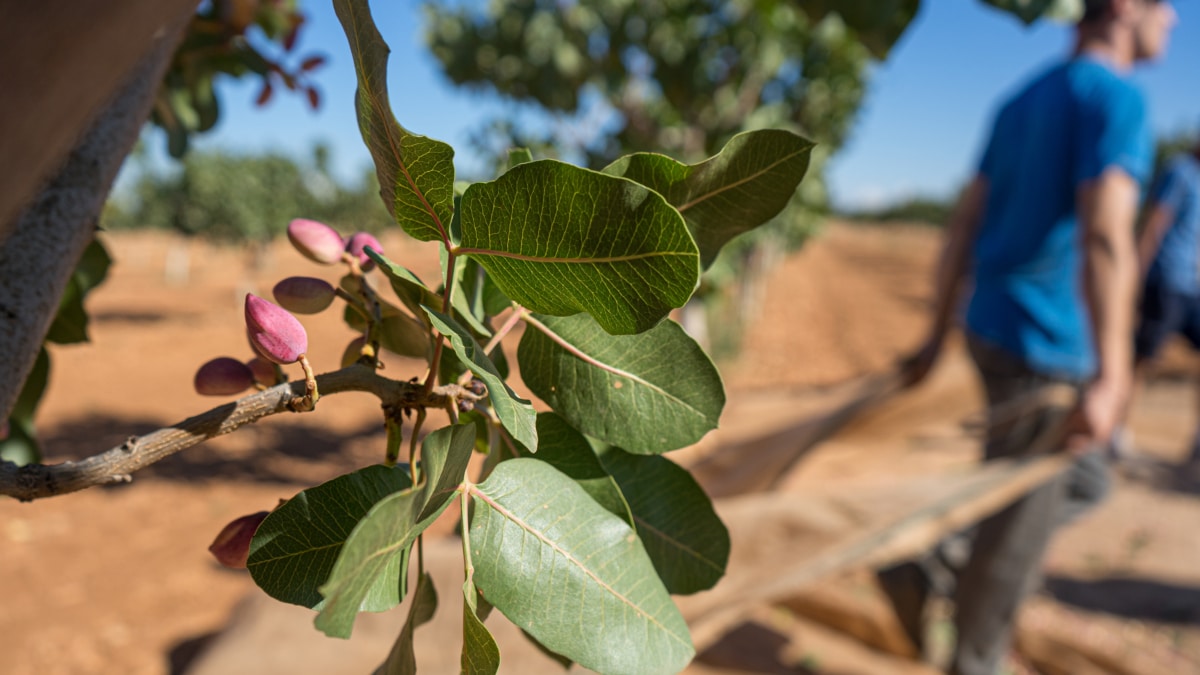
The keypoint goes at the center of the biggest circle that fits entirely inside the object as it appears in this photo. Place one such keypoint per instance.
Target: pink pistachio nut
(316, 241)
(355, 245)
(304, 295)
(264, 371)
(353, 351)
(231, 548)
(223, 376)
(273, 332)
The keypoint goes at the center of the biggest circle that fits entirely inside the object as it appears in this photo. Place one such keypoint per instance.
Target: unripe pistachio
(316, 241)
(353, 351)
(231, 548)
(304, 295)
(355, 245)
(264, 371)
(274, 333)
(223, 376)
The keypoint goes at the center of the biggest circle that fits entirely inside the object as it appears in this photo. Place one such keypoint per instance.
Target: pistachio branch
(37, 481)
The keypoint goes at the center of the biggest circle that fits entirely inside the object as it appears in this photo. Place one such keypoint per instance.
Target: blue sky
(917, 134)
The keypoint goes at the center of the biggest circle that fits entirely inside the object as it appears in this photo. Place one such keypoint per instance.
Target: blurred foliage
(1030, 11)
(915, 210)
(233, 198)
(235, 38)
(680, 77)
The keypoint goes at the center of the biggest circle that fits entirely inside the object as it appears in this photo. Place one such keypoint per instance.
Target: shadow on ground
(1129, 597)
(751, 648)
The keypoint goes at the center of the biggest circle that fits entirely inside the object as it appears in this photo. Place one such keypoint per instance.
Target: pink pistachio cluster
(231, 548)
(321, 243)
(274, 334)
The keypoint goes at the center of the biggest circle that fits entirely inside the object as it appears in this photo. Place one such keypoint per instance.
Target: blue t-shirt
(1065, 128)
(1175, 266)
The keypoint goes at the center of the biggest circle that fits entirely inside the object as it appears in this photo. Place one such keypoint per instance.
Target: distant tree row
(230, 198)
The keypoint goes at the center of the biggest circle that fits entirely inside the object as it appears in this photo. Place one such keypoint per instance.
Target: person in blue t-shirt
(1045, 230)
(1169, 252)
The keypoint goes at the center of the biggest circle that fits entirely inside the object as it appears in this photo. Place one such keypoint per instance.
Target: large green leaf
(572, 574)
(674, 518)
(480, 653)
(296, 547)
(416, 174)
(402, 660)
(647, 393)
(372, 554)
(567, 450)
(745, 185)
(561, 240)
(515, 413)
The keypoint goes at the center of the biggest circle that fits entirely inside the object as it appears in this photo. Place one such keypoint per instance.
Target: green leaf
(402, 660)
(21, 446)
(35, 385)
(480, 653)
(878, 23)
(515, 413)
(518, 156)
(398, 332)
(648, 393)
(416, 174)
(674, 518)
(558, 658)
(401, 334)
(372, 549)
(71, 322)
(743, 186)
(572, 574)
(444, 457)
(561, 240)
(564, 448)
(296, 547)
(484, 298)
(92, 269)
(408, 287)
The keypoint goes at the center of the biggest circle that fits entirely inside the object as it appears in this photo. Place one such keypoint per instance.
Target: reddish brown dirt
(118, 580)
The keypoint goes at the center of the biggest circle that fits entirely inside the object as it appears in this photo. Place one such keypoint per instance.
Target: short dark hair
(1094, 9)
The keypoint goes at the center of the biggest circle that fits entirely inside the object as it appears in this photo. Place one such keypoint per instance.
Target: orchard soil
(117, 580)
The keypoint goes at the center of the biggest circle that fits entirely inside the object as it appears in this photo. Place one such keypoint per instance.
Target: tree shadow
(751, 648)
(291, 453)
(1129, 597)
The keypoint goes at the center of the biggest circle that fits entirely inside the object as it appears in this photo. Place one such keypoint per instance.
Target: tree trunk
(48, 237)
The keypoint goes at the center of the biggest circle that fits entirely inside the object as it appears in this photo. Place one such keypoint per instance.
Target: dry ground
(118, 580)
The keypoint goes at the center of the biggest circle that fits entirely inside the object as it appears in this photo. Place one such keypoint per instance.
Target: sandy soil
(118, 580)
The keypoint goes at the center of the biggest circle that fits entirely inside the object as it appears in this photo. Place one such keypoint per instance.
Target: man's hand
(1099, 413)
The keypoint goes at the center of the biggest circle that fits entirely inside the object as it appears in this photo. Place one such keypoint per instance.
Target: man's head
(1142, 25)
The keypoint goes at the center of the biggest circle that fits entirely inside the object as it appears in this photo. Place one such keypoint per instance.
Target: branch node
(130, 444)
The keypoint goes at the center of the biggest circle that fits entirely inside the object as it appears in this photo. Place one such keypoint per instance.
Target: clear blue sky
(918, 132)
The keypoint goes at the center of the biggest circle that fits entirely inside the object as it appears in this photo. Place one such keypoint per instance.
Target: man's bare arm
(1107, 207)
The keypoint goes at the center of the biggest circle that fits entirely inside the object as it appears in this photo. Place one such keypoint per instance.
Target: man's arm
(1107, 207)
(1158, 221)
(952, 268)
